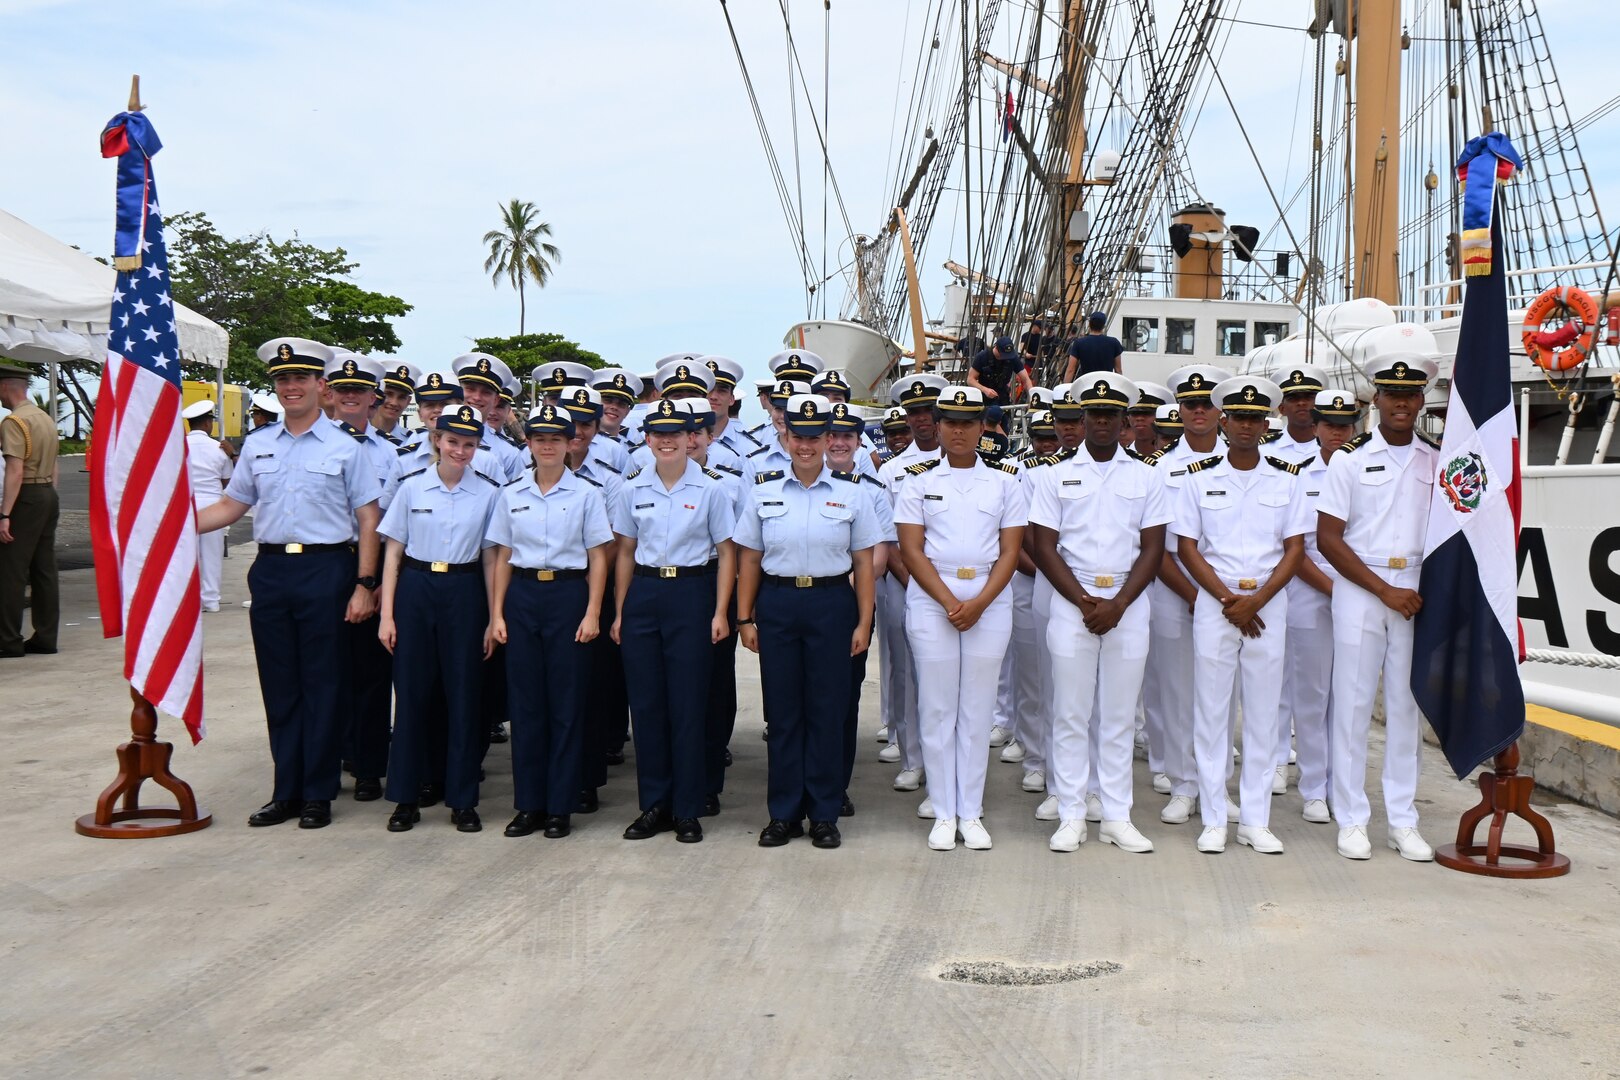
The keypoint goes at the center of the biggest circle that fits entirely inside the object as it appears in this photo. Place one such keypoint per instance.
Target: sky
(395, 130)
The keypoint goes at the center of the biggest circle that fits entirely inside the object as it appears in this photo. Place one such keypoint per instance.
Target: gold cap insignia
(840, 410)
(465, 414)
(1338, 402)
(917, 388)
(403, 373)
(548, 413)
(1248, 393)
(961, 397)
(1196, 381)
(284, 352)
(1101, 388)
(619, 380)
(683, 372)
(435, 380)
(711, 365)
(808, 410)
(1175, 416)
(666, 408)
(483, 365)
(1400, 369)
(582, 397)
(350, 367)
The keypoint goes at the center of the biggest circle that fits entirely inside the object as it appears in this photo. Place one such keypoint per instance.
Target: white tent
(54, 303)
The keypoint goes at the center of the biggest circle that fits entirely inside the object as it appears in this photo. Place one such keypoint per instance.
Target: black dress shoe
(688, 830)
(466, 820)
(317, 814)
(430, 795)
(711, 805)
(649, 824)
(368, 790)
(588, 802)
(766, 734)
(13, 654)
(796, 829)
(558, 825)
(348, 766)
(728, 757)
(614, 757)
(274, 813)
(777, 833)
(847, 808)
(824, 834)
(31, 646)
(524, 823)
(497, 733)
(404, 816)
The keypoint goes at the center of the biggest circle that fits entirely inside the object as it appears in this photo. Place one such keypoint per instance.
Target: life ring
(1569, 345)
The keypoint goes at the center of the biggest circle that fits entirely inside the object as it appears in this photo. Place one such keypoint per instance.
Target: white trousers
(1019, 685)
(1035, 732)
(1307, 681)
(1167, 690)
(210, 556)
(1228, 662)
(956, 691)
(1369, 639)
(1095, 684)
(897, 676)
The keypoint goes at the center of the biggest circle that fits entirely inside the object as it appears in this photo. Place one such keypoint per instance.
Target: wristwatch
(745, 622)
(369, 581)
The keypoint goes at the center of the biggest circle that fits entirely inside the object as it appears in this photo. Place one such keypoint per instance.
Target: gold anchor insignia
(1400, 369)
(1175, 416)
(1196, 382)
(1338, 403)
(581, 397)
(548, 413)
(666, 407)
(284, 352)
(682, 372)
(1101, 388)
(840, 410)
(793, 358)
(1068, 397)
(917, 388)
(961, 397)
(808, 409)
(466, 414)
(349, 367)
(403, 373)
(618, 380)
(483, 365)
(559, 375)
(785, 387)
(712, 366)
(1248, 393)
(435, 380)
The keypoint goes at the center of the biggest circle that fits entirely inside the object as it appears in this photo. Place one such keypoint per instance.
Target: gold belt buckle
(293, 549)
(1104, 581)
(803, 581)
(440, 567)
(667, 571)
(1397, 563)
(545, 575)
(966, 573)
(1248, 583)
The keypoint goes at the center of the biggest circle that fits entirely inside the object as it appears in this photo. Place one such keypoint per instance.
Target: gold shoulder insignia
(635, 474)
(1134, 454)
(1356, 443)
(402, 451)
(923, 466)
(1207, 463)
(1288, 467)
(1005, 466)
(1271, 436)
(1425, 440)
(712, 475)
(848, 476)
(1158, 455)
(766, 477)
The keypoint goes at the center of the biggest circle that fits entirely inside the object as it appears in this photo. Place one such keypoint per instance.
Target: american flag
(142, 526)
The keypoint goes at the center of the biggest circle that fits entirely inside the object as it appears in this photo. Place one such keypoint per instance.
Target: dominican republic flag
(142, 526)
(1467, 648)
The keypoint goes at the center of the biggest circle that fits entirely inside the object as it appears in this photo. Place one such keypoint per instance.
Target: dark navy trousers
(546, 674)
(664, 632)
(439, 620)
(804, 673)
(370, 684)
(607, 711)
(301, 645)
(852, 722)
(720, 719)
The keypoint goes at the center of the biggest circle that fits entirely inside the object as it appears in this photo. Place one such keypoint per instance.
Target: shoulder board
(389, 436)
(923, 466)
(488, 479)
(516, 480)
(1288, 467)
(1158, 455)
(1271, 436)
(727, 469)
(756, 453)
(588, 480)
(749, 435)
(766, 477)
(867, 478)
(351, 430)
(1307, 463)
(273, 426)
(712, 475)
(609, 468)
(637, 473)
(1053, 459)
(1426, 441)
(1132, 452)
(417, 472)
(1207, 463)
(402, 451)
(1356, 443)
(1005, 466)
(845, 476)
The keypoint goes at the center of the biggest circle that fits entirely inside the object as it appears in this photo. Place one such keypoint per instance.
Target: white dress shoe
(1353, 843)
(1212, 841)
(1161, 783)
(1048, 810)
(1279, 781)
(1237, 755)
(889, 754)
(908, 780)
(1034, 782)
(1316, 811)
(999, 736)
(974, 837)
(1178, 809)
(1411, 845)
(883, 733)
(942, 837)
(1069, 837)
(1260, 838)
(925, 809)
(1124, 835)
(1231, 812)
(1093, 807)
(1293, 757)
(1013, 752)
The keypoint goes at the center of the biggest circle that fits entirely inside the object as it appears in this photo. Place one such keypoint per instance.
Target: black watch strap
(369, 582)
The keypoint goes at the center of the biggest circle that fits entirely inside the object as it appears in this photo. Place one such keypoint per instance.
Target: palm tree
(518, 253)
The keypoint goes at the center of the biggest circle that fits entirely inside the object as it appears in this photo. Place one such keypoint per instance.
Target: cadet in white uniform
(1239, 532)
(1373, 515)
(1099, 520)
(961, 525)
(210, 467)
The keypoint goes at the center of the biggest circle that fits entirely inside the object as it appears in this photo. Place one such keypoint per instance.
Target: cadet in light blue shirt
(773, 456)
(482, 378)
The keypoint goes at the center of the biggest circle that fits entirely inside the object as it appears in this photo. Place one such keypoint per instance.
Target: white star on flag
(139, 307)
(151, 334)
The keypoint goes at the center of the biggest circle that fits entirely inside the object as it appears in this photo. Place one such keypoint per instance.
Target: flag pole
(1503, 793)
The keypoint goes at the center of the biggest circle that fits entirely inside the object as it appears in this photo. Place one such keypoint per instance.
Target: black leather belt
(443, 567)
(805, 582)
(530, 574)
(676, 571)
(302, 549)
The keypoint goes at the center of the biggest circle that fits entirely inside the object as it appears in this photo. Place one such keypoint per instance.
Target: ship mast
(1375, 68)
(1073, 126)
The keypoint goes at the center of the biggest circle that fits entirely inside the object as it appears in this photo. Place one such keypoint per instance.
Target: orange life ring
(1569, 345)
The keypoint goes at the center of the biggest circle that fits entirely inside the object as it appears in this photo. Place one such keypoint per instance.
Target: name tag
(1178, 472)
(936, 498)
(643, 506)
(1073, 483)
(1313, 494)
(772, 502)
(520, 509)
(261, 457)
(1373, 468)
(839, 506)
(1217, 491)
(421, 509)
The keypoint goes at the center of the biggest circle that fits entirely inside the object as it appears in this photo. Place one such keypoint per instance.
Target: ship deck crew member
(915, 396)
(1098, 519)
(843, 450)
(309, 487)
(210, 468)
(483, 378)
(674, 580)
(1167, 688)
(438, 571)
(1240, 533)
(398, 387)
(1308, 679)
(29, 511)
(896, 432)
(619, 389)
(1372, 518)
(554, 541)
(723, 400)
(802, 535)
(961, 525)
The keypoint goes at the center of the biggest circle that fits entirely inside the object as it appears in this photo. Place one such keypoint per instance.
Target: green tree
(259, 288)
(525, 352)
(518, 253)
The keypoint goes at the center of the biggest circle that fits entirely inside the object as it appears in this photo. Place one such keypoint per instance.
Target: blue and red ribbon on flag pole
(131, 139)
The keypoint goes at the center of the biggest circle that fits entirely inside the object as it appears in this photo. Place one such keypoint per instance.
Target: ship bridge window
(1178, 336)
(1269, 333)
(1141, 334)
(1232, 337)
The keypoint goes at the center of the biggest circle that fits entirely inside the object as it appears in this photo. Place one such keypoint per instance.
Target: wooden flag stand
(141, 759)
(1503, 792)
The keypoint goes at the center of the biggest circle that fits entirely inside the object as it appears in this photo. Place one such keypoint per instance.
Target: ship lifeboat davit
(865, 356)
(1563, 347)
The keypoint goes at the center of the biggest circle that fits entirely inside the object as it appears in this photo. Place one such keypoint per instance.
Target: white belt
(1391, 562)
(1102, 581)
(1247, 584)
(963, 573)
